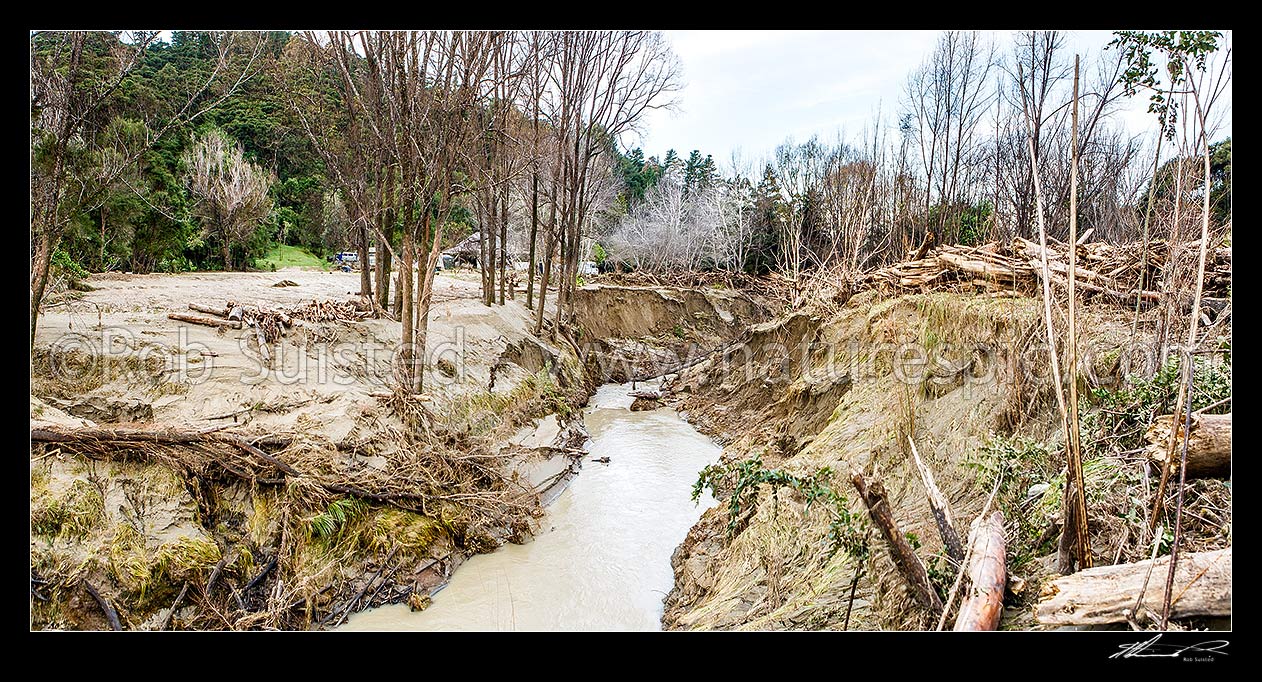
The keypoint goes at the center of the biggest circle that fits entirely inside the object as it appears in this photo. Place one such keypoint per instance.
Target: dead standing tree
(232, 194)
(601, 85)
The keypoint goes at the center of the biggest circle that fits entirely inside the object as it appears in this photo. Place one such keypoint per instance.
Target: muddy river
(601, 560)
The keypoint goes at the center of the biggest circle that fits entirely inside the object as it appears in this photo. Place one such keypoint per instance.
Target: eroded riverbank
(601, 560)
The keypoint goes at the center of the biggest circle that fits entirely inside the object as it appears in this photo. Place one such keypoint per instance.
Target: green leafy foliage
(340, 513)
(141, 222)
(1016, 464)
(1124, 414)
(67, 265)
(745, 478)
(1142, 69)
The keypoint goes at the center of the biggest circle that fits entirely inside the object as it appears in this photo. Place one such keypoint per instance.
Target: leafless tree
(231, 194)
(601, 85)
(947, 98)
(416, 97)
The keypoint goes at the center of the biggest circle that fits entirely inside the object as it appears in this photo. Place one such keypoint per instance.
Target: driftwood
(1209, 447)
(905, 559)
(983, 605)
(941, 510)
(723, 350)
(207, 321)
(262, 341)
(647, 395)
(1106, 594)
(110, 613)
(350, 605)
(645, 404)
(210, 310)
(165, 437)
(179, 598)
(924, 247)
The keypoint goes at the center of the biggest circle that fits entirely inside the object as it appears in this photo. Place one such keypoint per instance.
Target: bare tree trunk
(504, 243)
(227, 254)
(427, 295)
(1075, 544)
(406, 365)
(905, 559)
(1107, 593)
(39, 276)
(384, 258)
(550, 244)
(490, 235)
(983, 606)
(534, 231)
(365, 277)
(941, 510)
(1208, 446)
(484, 257)
(383, 279)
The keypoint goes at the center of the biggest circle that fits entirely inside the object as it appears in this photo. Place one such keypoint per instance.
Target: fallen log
(980, 267)
(645, 404)
(1209, 446)
(983, 605)
(208, 321)
(165, 437)
(1106, 594)
(221, 312)
(262, 341)
(1127, 298)
(905, 559)
(647, 395)
(941, 510)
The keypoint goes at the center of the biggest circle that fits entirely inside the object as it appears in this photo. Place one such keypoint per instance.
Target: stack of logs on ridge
(1095, 596)
(1118, 273)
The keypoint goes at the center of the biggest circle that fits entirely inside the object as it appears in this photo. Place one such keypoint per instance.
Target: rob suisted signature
(1151, 649)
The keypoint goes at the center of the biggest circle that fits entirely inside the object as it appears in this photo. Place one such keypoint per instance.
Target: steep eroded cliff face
(816, 394)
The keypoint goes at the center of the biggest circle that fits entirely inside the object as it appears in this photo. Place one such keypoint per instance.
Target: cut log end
(1209, 447)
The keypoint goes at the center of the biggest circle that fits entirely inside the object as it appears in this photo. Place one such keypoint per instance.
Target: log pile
(331, 311)
(271, 322)
(1102, 270)
(267, 325)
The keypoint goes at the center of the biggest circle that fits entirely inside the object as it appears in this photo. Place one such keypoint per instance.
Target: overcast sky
(751, 89)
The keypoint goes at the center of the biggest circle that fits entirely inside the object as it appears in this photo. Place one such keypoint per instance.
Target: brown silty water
(601, 560)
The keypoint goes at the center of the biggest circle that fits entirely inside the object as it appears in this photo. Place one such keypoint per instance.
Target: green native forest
(428, 330)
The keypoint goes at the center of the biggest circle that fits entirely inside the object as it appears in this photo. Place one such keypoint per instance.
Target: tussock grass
(73, 514)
